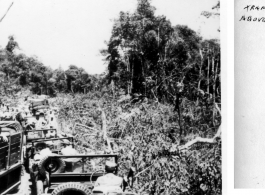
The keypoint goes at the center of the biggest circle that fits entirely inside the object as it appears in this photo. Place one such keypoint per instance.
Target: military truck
(36, 134)
(38, 105)
(35, 144)
(77, 175)
(11, 160)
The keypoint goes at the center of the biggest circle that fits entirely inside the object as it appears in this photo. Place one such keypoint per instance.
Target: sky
(65, 32)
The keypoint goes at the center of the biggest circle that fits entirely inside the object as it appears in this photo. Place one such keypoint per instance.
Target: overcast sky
(64, 32)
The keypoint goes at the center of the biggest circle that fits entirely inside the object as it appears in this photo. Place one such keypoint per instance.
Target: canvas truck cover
(39, 102)
(11, 126)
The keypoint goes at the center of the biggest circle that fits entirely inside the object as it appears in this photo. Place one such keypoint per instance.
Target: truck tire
(55, 165)
(71, 188)
(39, 187)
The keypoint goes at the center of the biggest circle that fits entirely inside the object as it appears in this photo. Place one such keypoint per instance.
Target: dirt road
(24, 187)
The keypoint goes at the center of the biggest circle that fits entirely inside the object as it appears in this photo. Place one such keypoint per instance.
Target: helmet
(110, 166)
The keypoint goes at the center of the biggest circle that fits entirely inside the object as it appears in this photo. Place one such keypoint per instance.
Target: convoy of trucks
(42, 154)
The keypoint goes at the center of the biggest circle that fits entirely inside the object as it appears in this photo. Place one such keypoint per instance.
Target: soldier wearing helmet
(109, 182)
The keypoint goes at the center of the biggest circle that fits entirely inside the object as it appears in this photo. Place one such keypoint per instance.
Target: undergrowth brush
(146, 135)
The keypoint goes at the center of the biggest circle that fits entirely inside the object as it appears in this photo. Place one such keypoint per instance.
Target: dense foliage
(172, 64)
(146, 136)
(21, 70)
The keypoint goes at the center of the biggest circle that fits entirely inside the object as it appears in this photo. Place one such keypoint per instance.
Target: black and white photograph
(111, 97)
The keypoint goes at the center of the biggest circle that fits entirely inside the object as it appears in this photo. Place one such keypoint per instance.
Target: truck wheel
(71, 188)
(39, 187)
(55, 165)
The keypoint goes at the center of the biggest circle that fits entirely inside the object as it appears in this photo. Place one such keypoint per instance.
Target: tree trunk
(200, 73)
(104, 129)
(177, 108)
(46, 87)
(219, 77)
(128, 69)
(143, 74)
(213, 72)
(132, 78)
(158, 37)
(72, 88)
(215, 78)
(208, 76)
(112, 87)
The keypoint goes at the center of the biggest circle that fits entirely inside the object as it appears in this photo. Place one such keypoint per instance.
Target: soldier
(12, 44)
(3, 137)
(109, 182)
(19, 117)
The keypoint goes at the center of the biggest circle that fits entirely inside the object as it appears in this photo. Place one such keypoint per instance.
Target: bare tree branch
(6, 12)
(137, 175)
(78, 124)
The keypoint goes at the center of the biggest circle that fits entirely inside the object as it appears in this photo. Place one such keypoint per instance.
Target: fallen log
(78, 124)
(202, 140)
